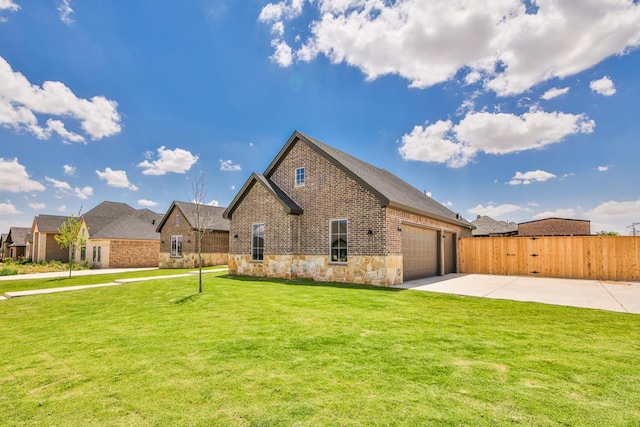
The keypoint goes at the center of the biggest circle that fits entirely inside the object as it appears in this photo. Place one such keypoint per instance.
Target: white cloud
(491, 133)
(65, 11)
(283, 54)
(616, 210)
(501, 43)
(15, 179)
(558, 213)
(233, 187)
(603, 168)
(8, 209)
(69, 170)
(531, 176)
(87, 191)
(9, 5)
(227, 165)
(494, 211)
(214, 203)
(60, 185)
(147, 203)
(36, 206)
(554, 92)
(603, 86)
(62, 208)
(20, 101)
(116, 178)
(177, 161)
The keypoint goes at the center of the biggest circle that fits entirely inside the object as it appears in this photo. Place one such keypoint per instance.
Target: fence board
(575, 257)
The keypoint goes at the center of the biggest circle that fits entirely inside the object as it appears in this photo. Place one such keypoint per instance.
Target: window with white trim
(339, 240)
(257, 242)
(176, 246)
(300, 176)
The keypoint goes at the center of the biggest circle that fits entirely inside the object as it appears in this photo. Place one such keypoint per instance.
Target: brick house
(119, 236)
(4, 246)
(178, 236)
(45, 248)
(317, 212)
(16, 242)
(555, 227)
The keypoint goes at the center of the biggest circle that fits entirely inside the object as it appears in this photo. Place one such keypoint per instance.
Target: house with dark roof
(179, 233)
(317, 212)
(44, 247)
(489, 227)
(16, 242)
(4, 251)
(118, 236)
(555, 227)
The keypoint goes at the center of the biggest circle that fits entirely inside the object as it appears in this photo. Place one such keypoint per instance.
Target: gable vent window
(177, 220)
(339, 240)
(300, 177)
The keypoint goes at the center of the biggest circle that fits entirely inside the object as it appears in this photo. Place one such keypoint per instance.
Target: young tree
(69, 236)
(202, 217)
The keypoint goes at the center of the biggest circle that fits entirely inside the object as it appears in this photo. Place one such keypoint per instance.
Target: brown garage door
(419, 252)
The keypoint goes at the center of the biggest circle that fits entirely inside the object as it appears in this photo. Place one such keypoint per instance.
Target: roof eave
(431, 215)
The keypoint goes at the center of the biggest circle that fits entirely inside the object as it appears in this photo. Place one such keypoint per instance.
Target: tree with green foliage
(607, 233)
(69, 236)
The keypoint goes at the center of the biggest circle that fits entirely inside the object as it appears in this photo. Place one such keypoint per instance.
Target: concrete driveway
(604, 295)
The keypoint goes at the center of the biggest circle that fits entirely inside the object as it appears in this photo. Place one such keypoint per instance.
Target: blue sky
(518, 109)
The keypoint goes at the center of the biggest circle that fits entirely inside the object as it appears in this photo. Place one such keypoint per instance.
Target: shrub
(7, 260)
(8, 271)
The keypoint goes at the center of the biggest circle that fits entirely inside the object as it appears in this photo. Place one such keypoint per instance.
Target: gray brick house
(317, 212)
(178, 246)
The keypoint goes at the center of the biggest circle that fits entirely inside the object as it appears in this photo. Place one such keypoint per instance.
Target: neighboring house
(555, 227)
(489, 227)
(28, 242)
(16, 242)
(117, 236)
(45, 248)
(4, 251)
(319, 213)
(178, 234)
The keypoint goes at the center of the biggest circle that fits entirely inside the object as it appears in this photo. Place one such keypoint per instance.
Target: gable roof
(388, 188)
(110, 209)
(215, 213)
(486, 226)
(287, 203)
(17, 236)
(114, 220)
(132, 226)
(48, 223)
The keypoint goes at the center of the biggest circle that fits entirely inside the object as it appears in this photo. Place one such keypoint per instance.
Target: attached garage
(427, 252)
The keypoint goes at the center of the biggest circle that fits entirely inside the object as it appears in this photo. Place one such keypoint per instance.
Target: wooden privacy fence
(575, 257)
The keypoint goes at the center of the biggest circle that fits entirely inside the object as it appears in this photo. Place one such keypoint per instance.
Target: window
(257, 242)
(176, 221)
(299, 177)
(83, 253)
(339, 240)
(95, 250)
(176, 246)
(96, 253)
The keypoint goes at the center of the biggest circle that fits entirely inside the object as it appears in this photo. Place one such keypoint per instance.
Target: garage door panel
(419, 252)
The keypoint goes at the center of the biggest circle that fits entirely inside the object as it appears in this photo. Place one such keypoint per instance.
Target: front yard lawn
(251, 352)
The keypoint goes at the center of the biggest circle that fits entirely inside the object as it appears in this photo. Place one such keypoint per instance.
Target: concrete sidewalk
(54, 274)
(15, 294)
(603, 295)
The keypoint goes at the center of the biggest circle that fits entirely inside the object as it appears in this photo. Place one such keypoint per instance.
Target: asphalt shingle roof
(114, 220)
(391, 190)
(214, 213)
(49, 223)
(17, 235)
(486, 226)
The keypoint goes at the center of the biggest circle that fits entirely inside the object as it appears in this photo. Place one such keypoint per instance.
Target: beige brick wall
(133, 253)
(555, 227)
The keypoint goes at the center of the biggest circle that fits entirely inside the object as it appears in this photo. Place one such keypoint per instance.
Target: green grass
(252, 352)
(76, 280)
